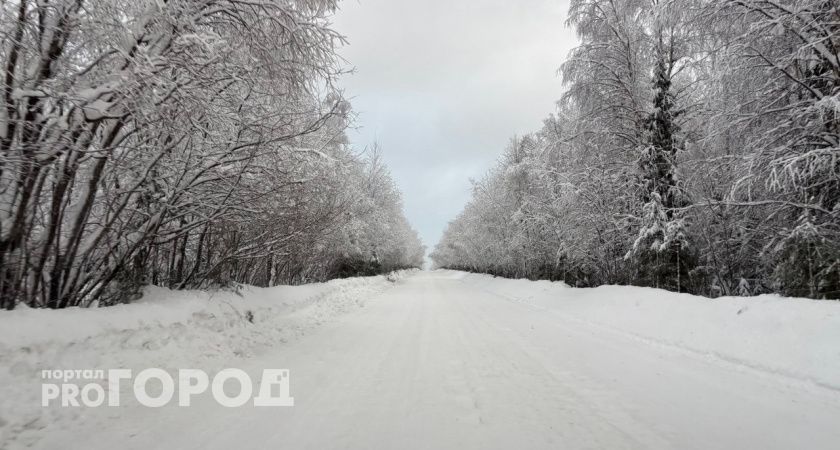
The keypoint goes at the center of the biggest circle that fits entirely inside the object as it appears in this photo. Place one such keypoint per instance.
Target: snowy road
(438, 363)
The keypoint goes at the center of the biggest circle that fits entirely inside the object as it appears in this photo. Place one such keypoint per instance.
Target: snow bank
(795, 338)
(167, 329)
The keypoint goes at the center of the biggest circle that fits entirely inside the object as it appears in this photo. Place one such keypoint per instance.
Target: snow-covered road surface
(437, 363)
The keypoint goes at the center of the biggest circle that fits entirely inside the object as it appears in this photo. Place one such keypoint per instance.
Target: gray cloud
(443, 85)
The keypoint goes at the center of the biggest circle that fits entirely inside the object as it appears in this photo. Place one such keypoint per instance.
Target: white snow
(798, 338)
(446, 359)
(170, 329)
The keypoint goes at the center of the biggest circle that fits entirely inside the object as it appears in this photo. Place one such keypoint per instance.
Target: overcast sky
(443, 85)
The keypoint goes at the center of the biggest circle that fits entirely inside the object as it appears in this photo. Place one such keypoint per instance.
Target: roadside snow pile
(166, 329)
(795, 338)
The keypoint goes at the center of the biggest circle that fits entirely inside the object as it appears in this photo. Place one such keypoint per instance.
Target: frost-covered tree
(662, 250)
(737, 136)
(181, 142)
(794, 48)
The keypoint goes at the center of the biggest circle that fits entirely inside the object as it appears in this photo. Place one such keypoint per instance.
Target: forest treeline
(696, 148)
(183, 143)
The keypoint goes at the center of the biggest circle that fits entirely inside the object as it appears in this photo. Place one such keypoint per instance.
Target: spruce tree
(662, 249)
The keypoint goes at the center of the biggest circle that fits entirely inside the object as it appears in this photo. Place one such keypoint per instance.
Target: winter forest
(203, 144)
(186, 144)
(696, 149)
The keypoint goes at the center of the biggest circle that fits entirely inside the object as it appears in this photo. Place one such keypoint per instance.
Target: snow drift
(795, 338)
(167, 329)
